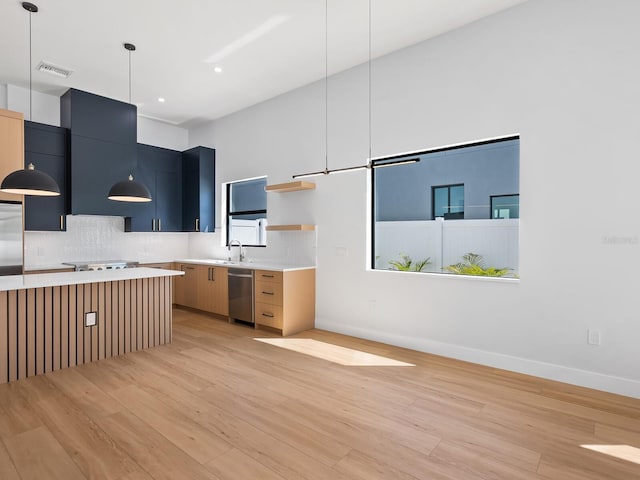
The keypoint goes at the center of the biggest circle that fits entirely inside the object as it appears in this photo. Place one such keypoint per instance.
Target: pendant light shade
(30, 182)
(129, 191)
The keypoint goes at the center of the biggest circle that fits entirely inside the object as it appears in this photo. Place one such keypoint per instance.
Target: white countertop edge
(21, 282)
(50, 266)
(274, 267)
(61, 266)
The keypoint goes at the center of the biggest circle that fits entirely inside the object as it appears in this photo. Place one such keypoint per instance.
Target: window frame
(229, 213)
(383, 159)
(491, 197)
(433, 198)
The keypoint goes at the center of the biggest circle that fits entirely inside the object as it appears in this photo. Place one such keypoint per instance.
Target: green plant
(473, 264)
(406, 264)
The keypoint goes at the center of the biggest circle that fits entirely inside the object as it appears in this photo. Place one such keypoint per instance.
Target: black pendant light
(30, 181)
(129, 190)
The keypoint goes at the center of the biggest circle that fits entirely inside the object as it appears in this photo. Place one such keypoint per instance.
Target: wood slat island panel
(42, 329)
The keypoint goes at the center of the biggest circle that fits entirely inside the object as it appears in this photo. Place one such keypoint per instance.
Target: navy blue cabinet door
(96, 167)
(160, 169)
(198, 190)
(169, 204)
(46, 147)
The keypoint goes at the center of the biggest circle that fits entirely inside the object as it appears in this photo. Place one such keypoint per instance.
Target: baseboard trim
(550, 371)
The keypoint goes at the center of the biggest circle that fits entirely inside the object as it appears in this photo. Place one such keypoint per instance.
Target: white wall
(3, 96)
(160, 134)
(45, 108)
(557, 73)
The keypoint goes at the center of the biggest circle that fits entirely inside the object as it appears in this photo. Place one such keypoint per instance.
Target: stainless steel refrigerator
(10, 238)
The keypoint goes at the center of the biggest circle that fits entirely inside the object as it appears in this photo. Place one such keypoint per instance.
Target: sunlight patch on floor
(623, 452)
(334, 353)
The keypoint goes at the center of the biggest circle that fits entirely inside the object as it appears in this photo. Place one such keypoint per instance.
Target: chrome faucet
(241, 253)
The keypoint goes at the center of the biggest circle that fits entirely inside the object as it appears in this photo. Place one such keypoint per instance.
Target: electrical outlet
(594, 337)
(90, 319)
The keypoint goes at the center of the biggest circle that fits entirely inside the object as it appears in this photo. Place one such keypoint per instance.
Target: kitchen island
(58, 320)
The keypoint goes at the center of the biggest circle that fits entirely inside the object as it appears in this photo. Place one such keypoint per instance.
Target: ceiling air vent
(54, 69)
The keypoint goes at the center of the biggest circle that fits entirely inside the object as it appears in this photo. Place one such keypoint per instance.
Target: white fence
(249, 232)
(446, 241)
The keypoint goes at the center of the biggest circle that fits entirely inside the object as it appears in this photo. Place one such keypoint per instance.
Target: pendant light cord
(30, 73)
(326, 85)
(129, 77)
(370, 161)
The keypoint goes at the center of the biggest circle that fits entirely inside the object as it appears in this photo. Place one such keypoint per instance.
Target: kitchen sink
(222, 262)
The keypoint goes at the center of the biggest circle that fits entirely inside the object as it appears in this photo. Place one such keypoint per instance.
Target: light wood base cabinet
(285, 301)
(202, 287)
(186, 286)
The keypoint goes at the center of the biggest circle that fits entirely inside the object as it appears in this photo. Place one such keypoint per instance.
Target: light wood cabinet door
(186, 286)
(213, 289)
(11, 147)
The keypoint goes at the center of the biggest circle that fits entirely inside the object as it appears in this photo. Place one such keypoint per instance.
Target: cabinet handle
(153, 224)
(267, 276)
(184, 267)
(159, 225)
(267, 293)
(270, 315)
(61, 222)
(197, 224)
(213, 274)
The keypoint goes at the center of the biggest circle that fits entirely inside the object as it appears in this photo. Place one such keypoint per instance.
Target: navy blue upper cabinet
(160, 169)
(102, 118)
(198, 190)
(102, 150)
(46, 147)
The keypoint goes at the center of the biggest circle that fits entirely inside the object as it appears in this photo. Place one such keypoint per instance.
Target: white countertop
(21, 282)
(273, 266)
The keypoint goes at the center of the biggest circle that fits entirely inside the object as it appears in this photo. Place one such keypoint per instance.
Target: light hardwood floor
(217, 404)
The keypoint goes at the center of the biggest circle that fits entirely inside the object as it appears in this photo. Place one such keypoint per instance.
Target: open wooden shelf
(297, 227)
(290, 187)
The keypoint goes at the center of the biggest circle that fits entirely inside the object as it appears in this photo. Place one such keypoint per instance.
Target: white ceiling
(265, 47)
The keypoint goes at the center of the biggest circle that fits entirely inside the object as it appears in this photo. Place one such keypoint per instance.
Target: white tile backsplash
(290, 248)
(92, 237)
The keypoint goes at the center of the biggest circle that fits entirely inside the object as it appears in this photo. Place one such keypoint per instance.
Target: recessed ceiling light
(161, 100)
(218, 69)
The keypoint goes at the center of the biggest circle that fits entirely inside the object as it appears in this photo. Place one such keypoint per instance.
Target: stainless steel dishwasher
(241, 295)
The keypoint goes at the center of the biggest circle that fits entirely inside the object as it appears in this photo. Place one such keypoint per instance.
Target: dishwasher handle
(241, 275)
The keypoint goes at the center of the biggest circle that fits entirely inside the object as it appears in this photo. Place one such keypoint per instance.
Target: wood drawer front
(268, 292)
(268, 276)
(269, 315)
